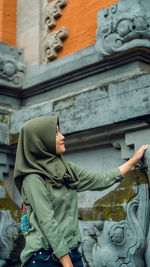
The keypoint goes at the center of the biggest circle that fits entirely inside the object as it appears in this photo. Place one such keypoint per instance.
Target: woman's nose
(62, 137)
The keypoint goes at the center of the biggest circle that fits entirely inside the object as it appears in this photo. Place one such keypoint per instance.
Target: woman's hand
(124, 168)
(139, 154)
(66, 261)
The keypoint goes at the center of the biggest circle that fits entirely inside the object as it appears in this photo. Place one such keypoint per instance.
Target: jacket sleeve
(96, 181)
(38, 196)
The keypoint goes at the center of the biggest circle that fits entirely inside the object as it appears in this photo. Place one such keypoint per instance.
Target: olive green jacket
(54, 214)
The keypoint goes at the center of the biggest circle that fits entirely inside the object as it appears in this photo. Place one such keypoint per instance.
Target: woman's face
(60, 146)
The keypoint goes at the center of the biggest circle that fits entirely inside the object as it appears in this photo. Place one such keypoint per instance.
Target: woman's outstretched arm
(124, 168)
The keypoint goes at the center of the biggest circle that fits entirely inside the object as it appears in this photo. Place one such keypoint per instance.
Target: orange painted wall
(1, 18)
(8, 21)
(80, 16)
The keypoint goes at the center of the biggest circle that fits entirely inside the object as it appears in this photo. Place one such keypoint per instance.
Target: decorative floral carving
(123, 26)
(12, 69)
(51, 42)
(52, 11)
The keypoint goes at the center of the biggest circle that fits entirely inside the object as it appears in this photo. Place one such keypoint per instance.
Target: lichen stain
(14, 138)
(5, 118)
(85, 214)
(112, 206)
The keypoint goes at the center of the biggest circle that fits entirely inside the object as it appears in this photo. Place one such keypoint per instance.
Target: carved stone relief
(51, 12)
(12, 69)
(10, 215)
(9, 226)
(51, 42)
(118, 236)
(123, 26)
(8, 232)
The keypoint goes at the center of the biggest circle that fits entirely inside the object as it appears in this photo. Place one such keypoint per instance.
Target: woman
(49, 185)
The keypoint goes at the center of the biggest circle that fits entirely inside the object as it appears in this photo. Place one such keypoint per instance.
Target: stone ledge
(73, 68)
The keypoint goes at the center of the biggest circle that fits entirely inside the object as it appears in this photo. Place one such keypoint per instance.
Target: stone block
(104, 105)
(4, 133)
(18, 118)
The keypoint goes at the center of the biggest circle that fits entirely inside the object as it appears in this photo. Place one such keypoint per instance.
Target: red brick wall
(8, 21)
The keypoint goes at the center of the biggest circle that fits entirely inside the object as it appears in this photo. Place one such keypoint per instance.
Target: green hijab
(36, 153)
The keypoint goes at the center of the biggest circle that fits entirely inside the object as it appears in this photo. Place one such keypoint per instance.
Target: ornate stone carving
(8, 232)
(51, 42)
(116, 238)
(12, 69)
(123, 26)
(51, 12)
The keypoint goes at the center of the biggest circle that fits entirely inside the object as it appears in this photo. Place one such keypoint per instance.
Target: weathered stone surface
(119, 232)
(12, 68)
(4, 133)
(2, 192)
(9, 223)
(104, 105)
(18, 118)
(4, 127)
(123, 26)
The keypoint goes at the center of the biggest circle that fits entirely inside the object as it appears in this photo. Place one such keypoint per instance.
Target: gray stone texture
(123, 26)
(18, 118)
(4, 133)
(12, 68)
(104, 105)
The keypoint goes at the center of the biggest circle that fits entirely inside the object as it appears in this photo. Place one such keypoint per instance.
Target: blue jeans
(45, 258)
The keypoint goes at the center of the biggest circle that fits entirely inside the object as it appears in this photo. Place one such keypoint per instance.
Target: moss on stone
(112, 206)
(5, 118)
(14, 138)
